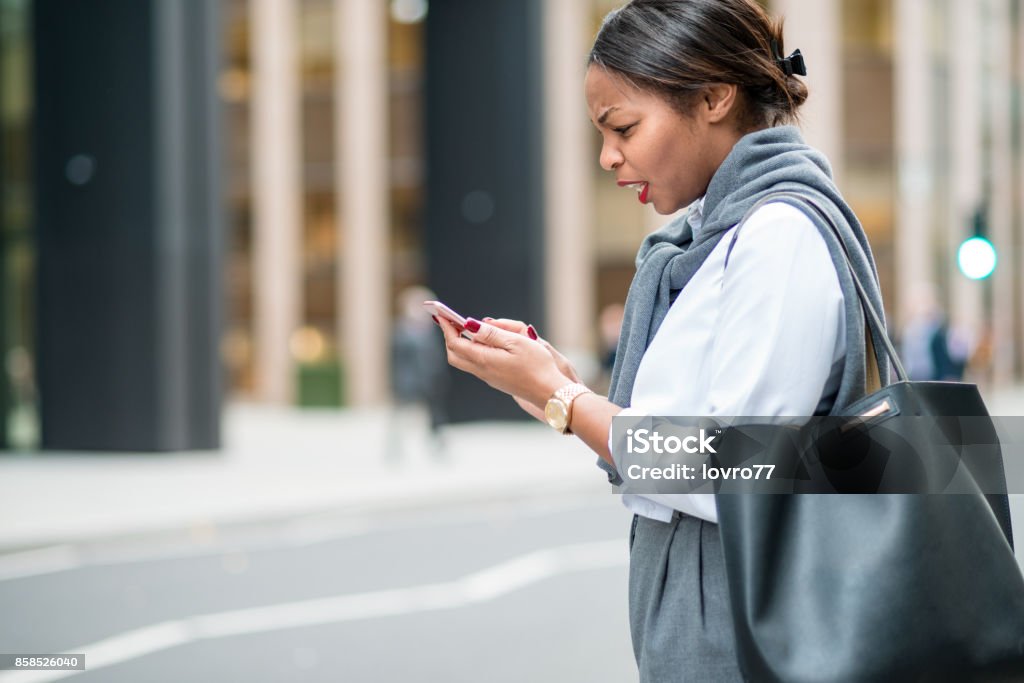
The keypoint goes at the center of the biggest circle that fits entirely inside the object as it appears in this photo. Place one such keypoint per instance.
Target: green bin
(320, 385)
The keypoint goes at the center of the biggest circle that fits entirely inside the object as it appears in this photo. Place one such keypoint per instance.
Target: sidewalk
(1008, 401)
(277, 463)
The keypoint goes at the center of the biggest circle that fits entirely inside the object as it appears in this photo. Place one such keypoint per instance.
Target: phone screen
(445, 312)
(439, 309)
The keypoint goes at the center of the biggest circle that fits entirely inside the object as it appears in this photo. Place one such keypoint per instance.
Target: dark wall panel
(484, 171)
(127, 241)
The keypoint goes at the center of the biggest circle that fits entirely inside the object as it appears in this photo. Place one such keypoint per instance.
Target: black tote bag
(876, 587)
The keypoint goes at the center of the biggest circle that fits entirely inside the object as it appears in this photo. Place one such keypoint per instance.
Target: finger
(516, 326)
(453, 340)
(563, 363)
(491, 335)
(446, 327)
(465, 354)
(551, 349)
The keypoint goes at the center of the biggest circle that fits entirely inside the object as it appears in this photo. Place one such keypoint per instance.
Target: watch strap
(568, 395)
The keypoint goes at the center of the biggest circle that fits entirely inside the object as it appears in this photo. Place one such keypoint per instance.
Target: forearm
(592, 422)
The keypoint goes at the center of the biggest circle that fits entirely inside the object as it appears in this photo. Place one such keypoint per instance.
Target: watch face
(557, 413)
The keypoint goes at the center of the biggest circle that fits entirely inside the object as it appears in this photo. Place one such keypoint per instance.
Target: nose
(611, 157)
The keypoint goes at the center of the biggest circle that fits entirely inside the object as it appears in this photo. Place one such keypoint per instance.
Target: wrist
(548, 387)
(558, 411)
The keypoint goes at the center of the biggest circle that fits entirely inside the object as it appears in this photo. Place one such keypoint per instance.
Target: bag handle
(873, 380)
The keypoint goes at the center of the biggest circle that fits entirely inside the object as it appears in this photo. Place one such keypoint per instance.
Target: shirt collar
(695, 216)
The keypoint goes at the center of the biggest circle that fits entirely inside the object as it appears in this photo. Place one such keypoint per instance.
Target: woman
(692, 99)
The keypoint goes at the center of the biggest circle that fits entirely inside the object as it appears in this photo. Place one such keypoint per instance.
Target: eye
(624, 129)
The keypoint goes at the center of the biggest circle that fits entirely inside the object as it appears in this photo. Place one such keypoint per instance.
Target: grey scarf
(763, 162)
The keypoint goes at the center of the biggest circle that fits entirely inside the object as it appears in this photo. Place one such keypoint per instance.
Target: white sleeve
(779, 319)
(614, 437)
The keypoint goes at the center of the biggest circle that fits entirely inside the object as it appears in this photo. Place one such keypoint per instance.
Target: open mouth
(642, 188)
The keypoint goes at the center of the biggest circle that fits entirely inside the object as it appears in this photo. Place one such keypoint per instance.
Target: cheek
(670, 155)
(689, 168)
(661, 160)
(676, 173)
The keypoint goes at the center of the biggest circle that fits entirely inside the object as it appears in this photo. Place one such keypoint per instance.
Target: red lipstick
(641, 186)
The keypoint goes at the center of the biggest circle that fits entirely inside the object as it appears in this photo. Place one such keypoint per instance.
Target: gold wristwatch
(558, 411)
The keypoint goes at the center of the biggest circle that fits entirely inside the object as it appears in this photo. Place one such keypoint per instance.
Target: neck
(721, 143)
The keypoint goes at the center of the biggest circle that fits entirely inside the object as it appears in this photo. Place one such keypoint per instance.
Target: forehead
(605, 90)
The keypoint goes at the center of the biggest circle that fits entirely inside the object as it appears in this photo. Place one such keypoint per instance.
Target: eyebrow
(601, 119)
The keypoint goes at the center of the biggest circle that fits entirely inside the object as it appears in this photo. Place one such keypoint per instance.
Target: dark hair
(677, 47)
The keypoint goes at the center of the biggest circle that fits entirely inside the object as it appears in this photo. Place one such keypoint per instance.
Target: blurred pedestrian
(931, 348)
(419, 377)
(609, 323)
(917, 332)
(951, 348)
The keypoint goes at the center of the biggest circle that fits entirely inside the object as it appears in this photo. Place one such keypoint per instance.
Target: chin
(666, 211)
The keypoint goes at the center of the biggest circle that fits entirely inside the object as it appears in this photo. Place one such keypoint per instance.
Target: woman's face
(669, 158)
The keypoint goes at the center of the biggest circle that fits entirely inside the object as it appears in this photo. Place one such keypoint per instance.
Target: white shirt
(765, 337)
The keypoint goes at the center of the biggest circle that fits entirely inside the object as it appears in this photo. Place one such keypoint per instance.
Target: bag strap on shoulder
(873, 380)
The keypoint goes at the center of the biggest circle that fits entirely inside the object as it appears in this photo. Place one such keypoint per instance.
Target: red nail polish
(436, 321)
(532, 332)
(472, 325)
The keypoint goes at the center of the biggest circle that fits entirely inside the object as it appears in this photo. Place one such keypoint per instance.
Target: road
(528, 590)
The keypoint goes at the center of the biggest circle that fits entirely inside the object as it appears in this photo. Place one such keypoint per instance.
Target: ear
(719, 100)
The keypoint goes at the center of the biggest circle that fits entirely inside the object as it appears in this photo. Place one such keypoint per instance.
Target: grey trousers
(679, 602)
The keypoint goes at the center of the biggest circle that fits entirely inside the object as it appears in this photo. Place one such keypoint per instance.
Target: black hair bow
(793, 64)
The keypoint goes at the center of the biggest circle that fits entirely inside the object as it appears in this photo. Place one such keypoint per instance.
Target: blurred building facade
(333, 111)
(916, 102)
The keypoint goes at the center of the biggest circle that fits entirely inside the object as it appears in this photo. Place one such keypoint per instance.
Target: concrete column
(914, 159)
(814, 28)
(277, 187)
(998, 32)
(568, 174)
(363, 184)
(965, 143)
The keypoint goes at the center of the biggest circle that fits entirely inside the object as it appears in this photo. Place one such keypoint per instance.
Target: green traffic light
(977, 258)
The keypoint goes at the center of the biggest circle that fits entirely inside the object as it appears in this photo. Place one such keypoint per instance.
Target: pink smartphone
(439, 309)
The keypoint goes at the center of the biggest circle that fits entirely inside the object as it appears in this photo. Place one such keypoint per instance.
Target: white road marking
(481, 586)
(298, 533)
(48, 560)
